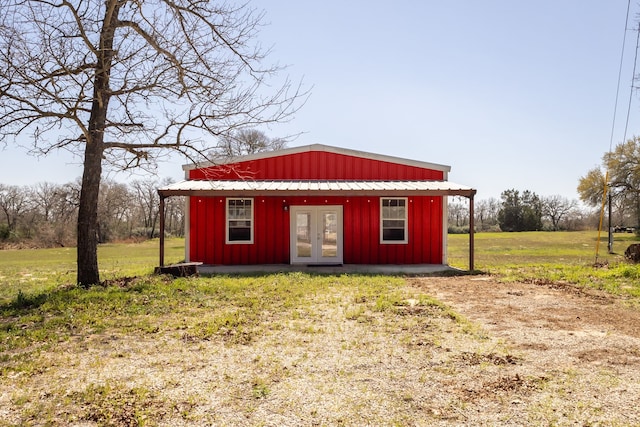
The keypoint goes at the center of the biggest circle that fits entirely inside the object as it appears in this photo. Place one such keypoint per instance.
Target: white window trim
(406, 222)
(227, 219)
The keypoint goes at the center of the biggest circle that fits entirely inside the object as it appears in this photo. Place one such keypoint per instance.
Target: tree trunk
(88, 273)
(637, 203)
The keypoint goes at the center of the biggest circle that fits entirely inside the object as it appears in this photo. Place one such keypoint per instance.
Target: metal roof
(312, 188)
(319, 147)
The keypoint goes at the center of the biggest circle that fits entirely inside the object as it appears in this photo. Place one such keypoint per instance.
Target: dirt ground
(590, 338)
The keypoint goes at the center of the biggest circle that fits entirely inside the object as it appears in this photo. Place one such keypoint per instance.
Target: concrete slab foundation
(417, 269)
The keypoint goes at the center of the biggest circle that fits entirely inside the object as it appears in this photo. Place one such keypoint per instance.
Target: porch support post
(161, 230)
(471, 232)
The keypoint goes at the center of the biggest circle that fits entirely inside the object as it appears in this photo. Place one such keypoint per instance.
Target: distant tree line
(45, 214)
(520, 211)
(618, 178)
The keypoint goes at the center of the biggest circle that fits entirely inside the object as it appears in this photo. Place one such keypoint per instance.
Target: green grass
(238, 308)
(40, 270)
(552, 256)
(558, 256)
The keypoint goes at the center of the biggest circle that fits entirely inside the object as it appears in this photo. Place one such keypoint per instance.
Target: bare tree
(174, 214)
(247, 141)
(56, 211)
(458, 213)
(147, 203)
(45, 197)
(118, 81)
(13, 204)
(556, 208)
(487, 213)
(114, 210)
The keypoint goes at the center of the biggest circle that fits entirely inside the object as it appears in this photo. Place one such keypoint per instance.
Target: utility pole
(610, 245)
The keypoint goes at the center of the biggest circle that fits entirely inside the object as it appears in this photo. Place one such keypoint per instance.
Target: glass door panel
(303, 235)
(329, 234)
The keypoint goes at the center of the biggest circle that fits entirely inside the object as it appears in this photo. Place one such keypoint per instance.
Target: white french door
(316, 234)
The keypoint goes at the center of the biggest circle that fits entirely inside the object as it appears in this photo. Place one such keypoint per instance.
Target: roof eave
(316, 193)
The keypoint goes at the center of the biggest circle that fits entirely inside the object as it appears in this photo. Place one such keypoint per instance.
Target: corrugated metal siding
(360, 213)
(316, 165)
(271, 231)
(207, 240)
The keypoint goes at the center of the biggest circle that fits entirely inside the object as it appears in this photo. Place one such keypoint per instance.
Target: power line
(613, 124)
(633, 76)
(624, 43)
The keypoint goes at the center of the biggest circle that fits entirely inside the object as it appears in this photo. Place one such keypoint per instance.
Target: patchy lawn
(304, 350)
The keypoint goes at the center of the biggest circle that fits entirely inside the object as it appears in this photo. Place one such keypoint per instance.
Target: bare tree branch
(122, 81)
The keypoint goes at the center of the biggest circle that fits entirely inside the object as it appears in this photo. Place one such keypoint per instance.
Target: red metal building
(317, 205)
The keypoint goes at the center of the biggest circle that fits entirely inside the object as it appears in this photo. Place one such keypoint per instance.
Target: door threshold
(325, 265)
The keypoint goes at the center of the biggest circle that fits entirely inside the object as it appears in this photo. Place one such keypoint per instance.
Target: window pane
(239, 224)
(238, 234)
(393, 234)
(393, 208)
(388, 223)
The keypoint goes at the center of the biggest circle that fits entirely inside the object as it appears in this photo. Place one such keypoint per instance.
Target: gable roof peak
(320, 147)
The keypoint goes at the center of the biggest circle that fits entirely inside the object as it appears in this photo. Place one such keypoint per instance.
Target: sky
(510, 94)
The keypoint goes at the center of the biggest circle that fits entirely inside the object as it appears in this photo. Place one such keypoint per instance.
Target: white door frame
(319, 249)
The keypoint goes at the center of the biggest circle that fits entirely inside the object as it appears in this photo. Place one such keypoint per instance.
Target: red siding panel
(316, 165)
(361, 230)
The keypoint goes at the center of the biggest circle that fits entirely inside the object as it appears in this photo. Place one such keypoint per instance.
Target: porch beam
(471, 232)
(162, 230)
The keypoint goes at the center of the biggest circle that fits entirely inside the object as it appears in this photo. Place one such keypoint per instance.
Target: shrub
(454, 229)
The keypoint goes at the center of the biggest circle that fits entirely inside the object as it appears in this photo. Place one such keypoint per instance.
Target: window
(393, 220)
(239, 220)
